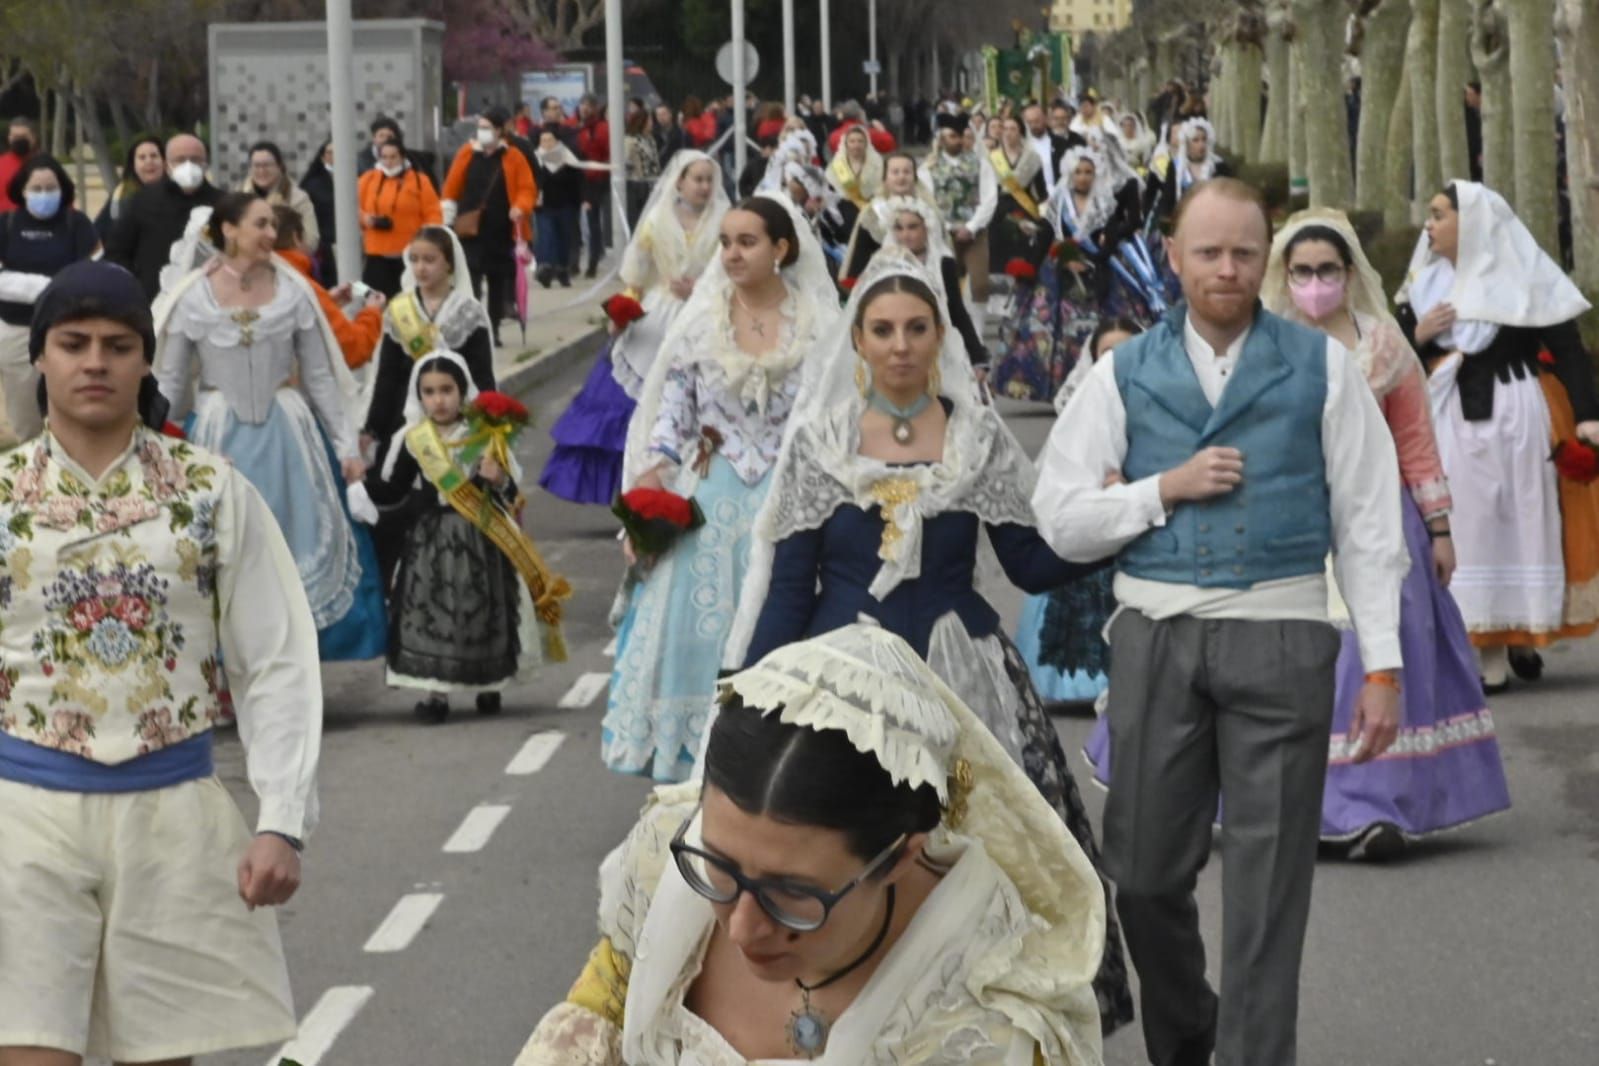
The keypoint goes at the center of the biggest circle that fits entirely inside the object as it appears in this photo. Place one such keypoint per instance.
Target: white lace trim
(199, 317)
(569, 1035)
(458, 318)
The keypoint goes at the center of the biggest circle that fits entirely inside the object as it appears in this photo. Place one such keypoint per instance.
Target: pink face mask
(1318, 298)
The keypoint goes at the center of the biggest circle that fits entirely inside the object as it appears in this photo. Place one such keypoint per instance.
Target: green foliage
(1389, 252)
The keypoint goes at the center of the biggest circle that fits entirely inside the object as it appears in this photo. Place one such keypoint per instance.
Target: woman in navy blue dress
(892, 472)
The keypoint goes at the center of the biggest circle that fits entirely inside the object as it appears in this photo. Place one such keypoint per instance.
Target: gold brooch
(961, 783)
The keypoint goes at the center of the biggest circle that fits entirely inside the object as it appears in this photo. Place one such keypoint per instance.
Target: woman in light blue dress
(244, 351)
(709, 425)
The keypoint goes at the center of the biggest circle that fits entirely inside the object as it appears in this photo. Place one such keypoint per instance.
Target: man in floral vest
(133, 902)
(963, 185)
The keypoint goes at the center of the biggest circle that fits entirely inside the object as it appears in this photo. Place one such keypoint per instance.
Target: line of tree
(1415, 58)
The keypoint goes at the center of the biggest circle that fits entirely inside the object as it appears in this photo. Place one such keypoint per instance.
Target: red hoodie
(882, 140)
(594, 145)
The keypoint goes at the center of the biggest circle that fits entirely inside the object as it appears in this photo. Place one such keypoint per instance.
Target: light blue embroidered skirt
(669, 646)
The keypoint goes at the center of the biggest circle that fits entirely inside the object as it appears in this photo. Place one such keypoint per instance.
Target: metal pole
(872, 30)
(937, 86)
(341, 102)
(827, 57)
(788, 57)
(740, 81)
(616, 112)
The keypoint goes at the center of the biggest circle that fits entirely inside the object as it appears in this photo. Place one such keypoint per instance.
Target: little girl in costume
(470, 595)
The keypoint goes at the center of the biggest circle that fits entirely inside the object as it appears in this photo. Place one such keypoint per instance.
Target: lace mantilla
(199, 317)
(459, 317)
(572, 1036)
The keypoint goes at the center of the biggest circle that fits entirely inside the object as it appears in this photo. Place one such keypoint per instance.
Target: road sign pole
(872, 30)
(740, 89)
(341, 104)
(827, 57)
(788, 57)
(616, 113)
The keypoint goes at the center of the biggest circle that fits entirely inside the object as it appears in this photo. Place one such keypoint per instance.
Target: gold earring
(935, 382)
(863, 380)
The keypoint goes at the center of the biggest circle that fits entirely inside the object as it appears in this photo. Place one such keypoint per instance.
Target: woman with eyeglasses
(1445, 769)
(864, 875)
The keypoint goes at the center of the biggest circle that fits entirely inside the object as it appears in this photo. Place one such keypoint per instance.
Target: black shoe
(488, 703)
(433, 710)
(544, 275)
(1495, 689)
(591, 271)
(1380, 842)
(1526, 663)
(565, 279)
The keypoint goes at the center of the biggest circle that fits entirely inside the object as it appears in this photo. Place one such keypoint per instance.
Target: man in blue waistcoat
(1221, 456)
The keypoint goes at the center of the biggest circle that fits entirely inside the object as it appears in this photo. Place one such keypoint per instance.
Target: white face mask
(189, 175)
(392, 171)
(486, 138)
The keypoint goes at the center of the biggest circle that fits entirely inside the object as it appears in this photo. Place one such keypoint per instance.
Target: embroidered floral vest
(957, 183)
(108, 601)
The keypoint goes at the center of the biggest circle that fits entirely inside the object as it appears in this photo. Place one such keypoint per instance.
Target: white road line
(538, 750)
(610, 649)
(584, 690)
(406, 920)
(474, 832)
(321, 1027)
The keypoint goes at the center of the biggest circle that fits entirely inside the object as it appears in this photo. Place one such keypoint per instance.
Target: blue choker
(904, 432)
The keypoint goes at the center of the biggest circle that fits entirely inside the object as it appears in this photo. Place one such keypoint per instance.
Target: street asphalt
(449, 895)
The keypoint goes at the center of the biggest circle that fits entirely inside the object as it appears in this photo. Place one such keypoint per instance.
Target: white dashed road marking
(406, 920)
(321, 1027)
(584, 690)
(480, 823)
(534, 754)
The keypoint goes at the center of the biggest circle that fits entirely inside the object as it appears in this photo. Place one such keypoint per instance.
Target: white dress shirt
(1083, 520)
(1045, 147)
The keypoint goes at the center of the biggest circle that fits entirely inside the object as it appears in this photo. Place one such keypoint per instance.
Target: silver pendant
(903, 433)
(807, 1032)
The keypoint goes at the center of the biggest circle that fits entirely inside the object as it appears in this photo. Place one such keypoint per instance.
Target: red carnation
(172, 429)
(498, 407)
(654, 519)
(1055, 249)
(623, 310)
(1546, 357)
(1576, 461)
(848, 283)
(1021, 270)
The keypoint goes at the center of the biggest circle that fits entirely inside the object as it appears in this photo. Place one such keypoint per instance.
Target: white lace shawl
(661, 250)
(458, 317)
(1101, 198)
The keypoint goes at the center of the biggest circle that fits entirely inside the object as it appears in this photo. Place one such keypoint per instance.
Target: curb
(552, 364)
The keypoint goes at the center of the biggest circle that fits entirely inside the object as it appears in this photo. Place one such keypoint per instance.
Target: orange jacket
(521, 188)
(408, 199)
(358, 337)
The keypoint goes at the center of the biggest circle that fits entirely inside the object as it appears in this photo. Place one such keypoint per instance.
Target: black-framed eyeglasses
(1303, 275)
(802, 908)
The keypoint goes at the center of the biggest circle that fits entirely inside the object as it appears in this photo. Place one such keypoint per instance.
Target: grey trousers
(1201, 709)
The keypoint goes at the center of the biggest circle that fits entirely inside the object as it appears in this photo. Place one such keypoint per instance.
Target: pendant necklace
(243, 277)
(808, 1029)
(904, 432)
(756, 323)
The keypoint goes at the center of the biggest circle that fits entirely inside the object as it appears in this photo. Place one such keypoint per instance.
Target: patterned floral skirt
(1060, 636)
(1051, 322)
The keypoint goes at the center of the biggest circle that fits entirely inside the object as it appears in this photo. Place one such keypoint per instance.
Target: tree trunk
(1578, 25)
(1246, 99)
(152, 101)
(1382, 61)
(1397, 194)
(1490, 51)
(1421, 63)
(1274, 137)
(1454, 71)
(1298, 182)
(1221, 99)
(83, 104)
(1326, 122)
(1532, 94)
(59, 127)
(119, 119)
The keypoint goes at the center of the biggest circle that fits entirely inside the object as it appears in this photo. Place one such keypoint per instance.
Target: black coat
(152, 221)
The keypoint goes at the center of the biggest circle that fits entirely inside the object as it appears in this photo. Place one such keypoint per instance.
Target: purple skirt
(586, 466)
(1444, 770)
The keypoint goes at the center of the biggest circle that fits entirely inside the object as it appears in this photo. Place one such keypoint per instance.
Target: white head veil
(1118, 172)
(414, 411)
(1188, 172)
(983, 467)
(797, 146)
(807, 280)
(670, 254)
(1384, 355)
(461, 314)
(1500, 277)
(1101, 199)
(937, 247)
(1140, 144)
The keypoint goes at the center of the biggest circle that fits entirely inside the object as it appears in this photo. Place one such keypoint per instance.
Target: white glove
(362, 509)
(449, 207)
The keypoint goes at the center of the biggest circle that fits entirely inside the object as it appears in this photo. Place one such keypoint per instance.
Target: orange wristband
(1384, 678)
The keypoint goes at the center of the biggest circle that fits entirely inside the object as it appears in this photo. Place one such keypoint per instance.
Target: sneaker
(488, 703)
(433, 710)
(1526, 663)
(1380, 842)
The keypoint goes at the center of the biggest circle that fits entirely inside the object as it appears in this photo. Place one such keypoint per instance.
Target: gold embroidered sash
(418, 334)
(547, 589)
(849, 182)
(1013, 186)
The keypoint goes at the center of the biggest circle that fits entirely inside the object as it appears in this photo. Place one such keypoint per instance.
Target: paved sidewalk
(562, 324)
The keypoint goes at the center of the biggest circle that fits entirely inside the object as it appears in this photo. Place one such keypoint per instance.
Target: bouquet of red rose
(654, 519)
(495, 419)
(623, 311)
(1576, 461)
